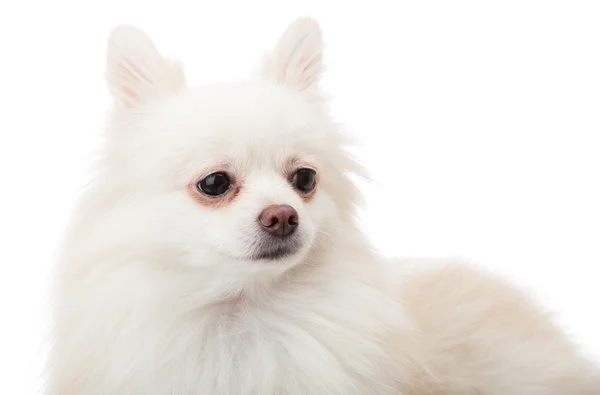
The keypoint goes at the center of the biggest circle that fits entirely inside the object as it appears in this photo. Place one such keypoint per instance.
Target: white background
(480, 120)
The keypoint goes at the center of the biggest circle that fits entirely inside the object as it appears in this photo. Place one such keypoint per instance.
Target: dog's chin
(274, 254)
(275, 250)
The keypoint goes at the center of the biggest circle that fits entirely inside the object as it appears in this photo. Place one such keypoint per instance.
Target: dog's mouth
(273, 249)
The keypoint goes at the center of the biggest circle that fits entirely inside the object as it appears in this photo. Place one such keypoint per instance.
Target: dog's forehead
(249, 120)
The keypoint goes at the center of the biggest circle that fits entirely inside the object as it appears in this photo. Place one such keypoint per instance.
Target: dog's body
(216, 253)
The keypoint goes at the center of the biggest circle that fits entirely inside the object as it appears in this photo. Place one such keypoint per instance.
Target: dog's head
(238, 176)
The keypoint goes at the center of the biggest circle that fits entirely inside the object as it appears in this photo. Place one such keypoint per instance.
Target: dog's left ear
(296, 62)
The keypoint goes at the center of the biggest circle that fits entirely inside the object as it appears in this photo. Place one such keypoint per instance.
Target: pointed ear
(296, 62)
(136, 72)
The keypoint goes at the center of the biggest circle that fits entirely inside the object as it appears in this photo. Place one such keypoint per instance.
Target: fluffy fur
(157, 291)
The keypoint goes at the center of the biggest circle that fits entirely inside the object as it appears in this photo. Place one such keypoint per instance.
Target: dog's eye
(304, 180)
(215, 184)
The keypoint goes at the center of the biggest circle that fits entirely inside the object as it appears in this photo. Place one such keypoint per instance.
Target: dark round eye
(305, 180)
(214, 185)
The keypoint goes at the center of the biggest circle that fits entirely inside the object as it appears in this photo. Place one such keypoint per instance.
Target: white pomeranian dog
(216, 252)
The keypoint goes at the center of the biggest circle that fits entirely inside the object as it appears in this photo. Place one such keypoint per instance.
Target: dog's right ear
(136, 72)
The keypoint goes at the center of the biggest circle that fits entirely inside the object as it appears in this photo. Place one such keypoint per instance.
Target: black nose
(279, 220)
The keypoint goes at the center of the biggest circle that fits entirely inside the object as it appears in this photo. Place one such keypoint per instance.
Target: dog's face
(233, 177)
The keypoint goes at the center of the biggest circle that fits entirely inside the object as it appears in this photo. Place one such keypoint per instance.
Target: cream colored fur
(156, 293)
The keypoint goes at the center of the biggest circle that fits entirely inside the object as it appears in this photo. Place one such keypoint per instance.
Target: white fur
(156, 294)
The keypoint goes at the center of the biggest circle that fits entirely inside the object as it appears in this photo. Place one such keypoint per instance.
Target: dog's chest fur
(295, 345)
